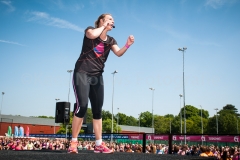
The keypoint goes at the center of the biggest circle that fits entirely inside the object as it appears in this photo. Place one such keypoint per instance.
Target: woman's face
(111, 21)
(228, 153)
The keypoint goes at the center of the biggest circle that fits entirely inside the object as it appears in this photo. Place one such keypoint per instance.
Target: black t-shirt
(94, 54)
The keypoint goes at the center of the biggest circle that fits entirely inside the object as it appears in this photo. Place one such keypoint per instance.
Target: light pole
(180, 113)
(201, 123)
(117, 119)
(112, 102)
(1, 107)
(69, 71)
(201, 120)
(216, 119)
(237, 125)
(170, 127)
(55, 123)
(183, 50)
(152, 110)
(139, 116)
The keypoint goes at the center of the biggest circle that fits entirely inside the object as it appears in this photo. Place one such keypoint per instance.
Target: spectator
(128, 149)
(203, 151)
(19, 146)
(153, 149)
(139, 148)
(195, 151)
(37, 146)
(236, 155)
(226, 156)
(160, 149)
(175, 149)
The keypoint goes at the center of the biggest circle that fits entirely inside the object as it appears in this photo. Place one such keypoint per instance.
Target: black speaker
(62, 114)
(85, 116)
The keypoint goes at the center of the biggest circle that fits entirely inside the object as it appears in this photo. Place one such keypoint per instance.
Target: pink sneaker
(73, 147)
(102, 149)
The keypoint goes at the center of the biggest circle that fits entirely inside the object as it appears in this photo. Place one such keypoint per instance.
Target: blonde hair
(102, 16)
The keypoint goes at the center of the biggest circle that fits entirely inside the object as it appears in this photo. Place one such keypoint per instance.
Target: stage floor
(88, 155)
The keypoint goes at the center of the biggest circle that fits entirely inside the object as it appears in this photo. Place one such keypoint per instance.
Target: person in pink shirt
(236, 155)
(19, 146)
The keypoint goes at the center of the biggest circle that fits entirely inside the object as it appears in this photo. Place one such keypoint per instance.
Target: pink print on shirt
(99, 49)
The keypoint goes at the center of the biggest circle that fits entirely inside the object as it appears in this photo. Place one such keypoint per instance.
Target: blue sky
(41, 40)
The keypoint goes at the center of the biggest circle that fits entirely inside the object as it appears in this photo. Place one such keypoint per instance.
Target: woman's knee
(80, 112)
(97, 114)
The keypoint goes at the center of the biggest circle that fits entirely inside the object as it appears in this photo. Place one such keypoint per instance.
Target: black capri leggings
(85, 87)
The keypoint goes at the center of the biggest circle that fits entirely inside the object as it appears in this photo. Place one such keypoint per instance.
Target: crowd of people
(221, 153)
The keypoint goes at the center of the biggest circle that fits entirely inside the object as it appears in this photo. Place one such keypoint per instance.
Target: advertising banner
(207, 138)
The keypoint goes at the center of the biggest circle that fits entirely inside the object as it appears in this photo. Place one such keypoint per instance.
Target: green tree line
(196, 119)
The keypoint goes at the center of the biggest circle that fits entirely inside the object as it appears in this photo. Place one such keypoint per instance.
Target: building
(48, 126)
(36, 125)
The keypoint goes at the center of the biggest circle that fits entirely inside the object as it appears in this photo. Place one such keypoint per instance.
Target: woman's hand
(130, 40)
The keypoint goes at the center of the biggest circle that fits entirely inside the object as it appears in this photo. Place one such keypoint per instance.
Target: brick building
(36, 125)
(48, 126)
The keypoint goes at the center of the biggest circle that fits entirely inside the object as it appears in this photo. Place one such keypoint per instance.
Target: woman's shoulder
(111, 40)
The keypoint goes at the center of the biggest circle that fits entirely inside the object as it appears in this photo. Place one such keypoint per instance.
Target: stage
(88, 155)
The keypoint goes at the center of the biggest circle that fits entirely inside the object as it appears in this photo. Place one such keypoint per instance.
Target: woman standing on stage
(88, 80)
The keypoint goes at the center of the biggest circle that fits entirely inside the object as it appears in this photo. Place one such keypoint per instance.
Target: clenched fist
(130, 40)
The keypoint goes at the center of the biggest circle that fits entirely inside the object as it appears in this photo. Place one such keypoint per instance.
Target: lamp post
(216, 119)
(139, 116)
(112, 102)
(180, 113)
(201, 120)
(183, 50)
(69, 71)
(152, 110)
(170, 127)
(237, 125)
(55, 123)
(201, 123)
(1, 107)
(117, 119)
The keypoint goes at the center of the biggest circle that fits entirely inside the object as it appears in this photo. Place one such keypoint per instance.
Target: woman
(88, 80)
(19, 146)
(203, 150)
(160, 149)
(226, 156)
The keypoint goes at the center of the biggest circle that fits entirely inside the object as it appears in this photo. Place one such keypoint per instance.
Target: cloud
(67, 6)
(9, 4)
(218, 3)
(44, 18)
(16, 43)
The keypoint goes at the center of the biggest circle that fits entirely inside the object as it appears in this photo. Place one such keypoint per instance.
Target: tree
(146, 119)
(191, 111)
(131, 121)
(160, 125)
(89, 116)
(62, 129)
(227, 123)
(170, 116)
(107, 126)
(106, 115)
(176, 125)
(50, 117)
(231, 108)
(122, 119)
(205, 114)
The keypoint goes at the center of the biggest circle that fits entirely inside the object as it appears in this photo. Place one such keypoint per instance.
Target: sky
(41, 40)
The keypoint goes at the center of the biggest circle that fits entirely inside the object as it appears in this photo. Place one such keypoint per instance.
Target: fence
(145, 138)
